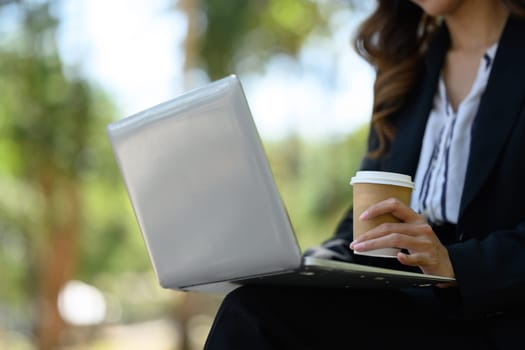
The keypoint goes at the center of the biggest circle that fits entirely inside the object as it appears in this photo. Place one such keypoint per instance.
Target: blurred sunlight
(134, 50)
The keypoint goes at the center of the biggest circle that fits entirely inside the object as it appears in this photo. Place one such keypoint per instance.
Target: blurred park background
(74, 271)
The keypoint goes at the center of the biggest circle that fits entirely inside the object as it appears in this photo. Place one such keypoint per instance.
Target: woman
(449, 110)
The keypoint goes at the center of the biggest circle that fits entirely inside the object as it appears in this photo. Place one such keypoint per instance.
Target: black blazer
(487, 246)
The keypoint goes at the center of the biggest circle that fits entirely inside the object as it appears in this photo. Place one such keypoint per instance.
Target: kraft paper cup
(371, 187)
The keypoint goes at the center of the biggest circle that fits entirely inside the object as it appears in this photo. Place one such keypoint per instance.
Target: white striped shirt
(442, 166)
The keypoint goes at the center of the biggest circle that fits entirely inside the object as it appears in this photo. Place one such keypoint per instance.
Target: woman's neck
(476, 25)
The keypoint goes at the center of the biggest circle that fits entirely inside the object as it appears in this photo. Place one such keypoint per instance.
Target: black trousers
(265, 317)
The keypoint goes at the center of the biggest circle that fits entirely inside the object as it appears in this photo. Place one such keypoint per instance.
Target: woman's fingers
(433, 264)
(416, 259)
(391, 206)
(399, 228)
(411, 242)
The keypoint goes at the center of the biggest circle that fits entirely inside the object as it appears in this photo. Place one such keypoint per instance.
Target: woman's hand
(413, 233)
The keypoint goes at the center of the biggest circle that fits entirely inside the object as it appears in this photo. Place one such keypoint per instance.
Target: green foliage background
(313, 178)
(58, 178)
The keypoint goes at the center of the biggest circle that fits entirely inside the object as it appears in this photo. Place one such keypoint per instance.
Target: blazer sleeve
(495, 283)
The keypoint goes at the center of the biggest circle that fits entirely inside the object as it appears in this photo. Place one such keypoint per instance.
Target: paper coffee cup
(371, 187)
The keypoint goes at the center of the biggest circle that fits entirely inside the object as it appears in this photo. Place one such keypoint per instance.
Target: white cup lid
(382, 178)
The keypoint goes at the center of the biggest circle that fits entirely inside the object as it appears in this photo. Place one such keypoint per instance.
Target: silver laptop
(208, 207)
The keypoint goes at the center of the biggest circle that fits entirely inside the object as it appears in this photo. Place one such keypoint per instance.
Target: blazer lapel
(404, 152)
(499, 106)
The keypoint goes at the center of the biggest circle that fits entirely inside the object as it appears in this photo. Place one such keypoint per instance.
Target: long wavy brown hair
(394, 39)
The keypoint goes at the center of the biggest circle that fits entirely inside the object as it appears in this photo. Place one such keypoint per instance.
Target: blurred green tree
(241, 36)
(313, 179)
(57, 176)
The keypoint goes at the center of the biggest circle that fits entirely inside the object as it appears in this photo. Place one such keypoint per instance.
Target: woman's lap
(265, 317)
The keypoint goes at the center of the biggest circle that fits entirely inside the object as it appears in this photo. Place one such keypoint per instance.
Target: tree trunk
(186, 308)
(56, 254)
(191, 43)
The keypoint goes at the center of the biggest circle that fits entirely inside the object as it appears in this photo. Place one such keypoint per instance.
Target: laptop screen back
(202, 190)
